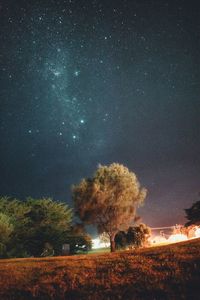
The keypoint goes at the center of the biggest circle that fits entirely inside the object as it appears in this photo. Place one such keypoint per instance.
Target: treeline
(108, 200)
(38, 227)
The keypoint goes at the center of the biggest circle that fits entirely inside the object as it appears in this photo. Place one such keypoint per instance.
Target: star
(74, 137)
(57, 73)
(76, 73)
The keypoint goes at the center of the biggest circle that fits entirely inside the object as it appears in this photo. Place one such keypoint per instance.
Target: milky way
(88, 82)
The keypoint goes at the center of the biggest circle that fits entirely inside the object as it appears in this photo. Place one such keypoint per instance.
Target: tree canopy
(109, 199)
(6, 228)
(48, 222)
(27, 226)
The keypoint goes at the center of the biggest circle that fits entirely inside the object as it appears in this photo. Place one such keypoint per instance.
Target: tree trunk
(112, 243)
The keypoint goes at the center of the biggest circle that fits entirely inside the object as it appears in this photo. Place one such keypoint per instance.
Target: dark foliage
(193, 214)
(134, 237)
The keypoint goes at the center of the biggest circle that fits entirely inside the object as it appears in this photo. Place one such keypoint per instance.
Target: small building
(65, 249)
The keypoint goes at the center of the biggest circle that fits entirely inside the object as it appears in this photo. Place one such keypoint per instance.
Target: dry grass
(167, 272)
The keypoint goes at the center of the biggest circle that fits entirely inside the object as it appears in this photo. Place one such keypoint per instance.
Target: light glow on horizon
(97, 244)
(175, 237)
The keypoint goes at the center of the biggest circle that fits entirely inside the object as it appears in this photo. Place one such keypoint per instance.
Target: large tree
(109, 199)
(193, 214)
(48, 222)
(34, 223)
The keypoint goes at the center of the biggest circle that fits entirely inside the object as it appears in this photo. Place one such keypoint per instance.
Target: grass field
(99, 250)
(167, 272)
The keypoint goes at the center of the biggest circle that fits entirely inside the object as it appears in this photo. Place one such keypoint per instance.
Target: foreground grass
(167, 272)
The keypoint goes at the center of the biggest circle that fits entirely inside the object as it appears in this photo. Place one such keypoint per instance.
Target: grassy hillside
(167, 272)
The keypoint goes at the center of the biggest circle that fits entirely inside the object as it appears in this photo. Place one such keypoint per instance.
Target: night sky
(89, 82)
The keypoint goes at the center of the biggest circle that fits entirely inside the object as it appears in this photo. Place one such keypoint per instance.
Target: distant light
(174, 238)
(74, 137)
(158, 240)
(197, 232)
(96, 244)
(82, 121)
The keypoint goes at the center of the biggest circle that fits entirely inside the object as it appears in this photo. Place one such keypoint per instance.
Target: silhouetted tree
(138, 235)
(193, 214)
(109, 199)
(120, 240)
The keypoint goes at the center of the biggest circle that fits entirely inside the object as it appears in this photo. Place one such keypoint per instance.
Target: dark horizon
(89, 82)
